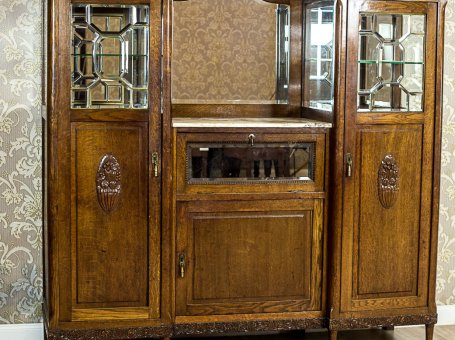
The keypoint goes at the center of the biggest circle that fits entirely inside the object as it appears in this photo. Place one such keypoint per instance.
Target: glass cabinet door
(391, 110)
(214, 162)
(391, 62)
(109, 60)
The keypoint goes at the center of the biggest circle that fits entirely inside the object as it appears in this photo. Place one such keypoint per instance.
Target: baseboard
(446, 315)
(29, 331)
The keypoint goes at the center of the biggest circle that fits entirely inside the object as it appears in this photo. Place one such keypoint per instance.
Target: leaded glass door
(389, 138)
(108, 113)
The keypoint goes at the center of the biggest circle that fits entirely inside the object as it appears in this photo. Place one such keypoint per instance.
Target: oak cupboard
(240, 248)
(235, 166)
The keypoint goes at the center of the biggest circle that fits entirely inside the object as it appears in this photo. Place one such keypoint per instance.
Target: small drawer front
(250, 162)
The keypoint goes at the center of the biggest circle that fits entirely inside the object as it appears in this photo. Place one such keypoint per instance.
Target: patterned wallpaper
(21, 277)
(445, 285)
(238, 37)
(21, 280)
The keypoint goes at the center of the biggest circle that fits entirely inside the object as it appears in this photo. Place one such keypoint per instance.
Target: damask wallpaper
(238, 38)
(21, 279)
(445, 285)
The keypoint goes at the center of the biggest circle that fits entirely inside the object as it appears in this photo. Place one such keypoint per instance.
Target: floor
(400, 333)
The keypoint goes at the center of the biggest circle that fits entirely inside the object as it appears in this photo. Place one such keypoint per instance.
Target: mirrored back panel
(230, 52)
(109, 56)
(319, 54)
(391, 62)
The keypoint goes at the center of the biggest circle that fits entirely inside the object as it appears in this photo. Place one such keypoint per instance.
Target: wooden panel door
(389, 140)
(110, 227)
(249, 257)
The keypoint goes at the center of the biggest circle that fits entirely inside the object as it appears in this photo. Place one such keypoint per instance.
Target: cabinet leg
(429, 329)
(333, 335)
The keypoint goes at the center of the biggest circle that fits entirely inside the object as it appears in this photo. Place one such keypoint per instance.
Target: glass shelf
(392, 62)
(108, 77)
(319, 60)
(107, 55)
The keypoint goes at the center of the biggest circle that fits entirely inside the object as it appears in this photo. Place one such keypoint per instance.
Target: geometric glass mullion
(109, 65)
(391, 62)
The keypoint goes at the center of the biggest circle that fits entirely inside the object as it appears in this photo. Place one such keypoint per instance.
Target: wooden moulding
(111, 333)
(400, 320)
(208, 328)
(216, 328)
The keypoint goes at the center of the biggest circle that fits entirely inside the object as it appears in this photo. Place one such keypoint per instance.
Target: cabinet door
(265, 162)
(389, 163)
(105, 147)
(249, 257)
(111, 233)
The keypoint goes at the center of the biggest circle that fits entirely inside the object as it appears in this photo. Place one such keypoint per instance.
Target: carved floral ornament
(388, 181)
(108, 183)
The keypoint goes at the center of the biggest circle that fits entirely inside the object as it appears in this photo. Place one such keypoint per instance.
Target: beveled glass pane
(391, 62)
(242, 162)
(413, 48)
(230, 52)
(318, 65)
(370, 71)
(109, 60)
(415, 24)
(371, 47)
(412, 79)
(366, 22)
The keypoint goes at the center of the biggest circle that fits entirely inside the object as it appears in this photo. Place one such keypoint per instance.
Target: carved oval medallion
(108, 183)
(388, 181)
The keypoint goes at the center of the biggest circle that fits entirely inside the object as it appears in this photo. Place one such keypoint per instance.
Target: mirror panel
(319, 54)
(230, 52)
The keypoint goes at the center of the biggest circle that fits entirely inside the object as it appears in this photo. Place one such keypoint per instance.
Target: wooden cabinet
(251, 240)
(219, 167)
(250, 224)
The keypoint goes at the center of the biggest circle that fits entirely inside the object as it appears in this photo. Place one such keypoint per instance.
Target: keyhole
(251, 138)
